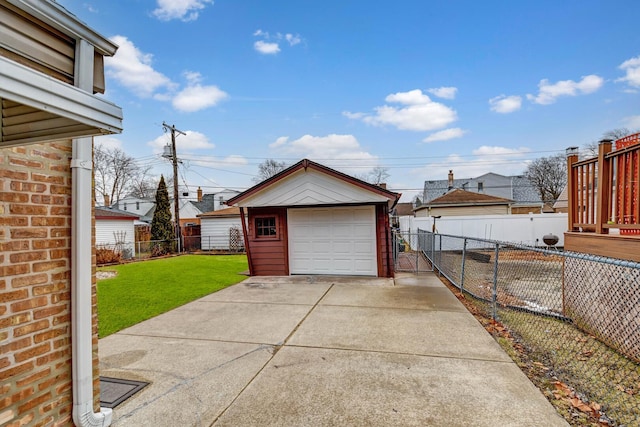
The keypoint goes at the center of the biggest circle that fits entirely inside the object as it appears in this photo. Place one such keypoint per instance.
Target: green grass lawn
(142, 290)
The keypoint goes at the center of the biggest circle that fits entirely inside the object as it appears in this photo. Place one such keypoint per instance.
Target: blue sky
(419, 87)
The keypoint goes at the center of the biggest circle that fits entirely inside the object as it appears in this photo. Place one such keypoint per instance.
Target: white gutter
(81, 262)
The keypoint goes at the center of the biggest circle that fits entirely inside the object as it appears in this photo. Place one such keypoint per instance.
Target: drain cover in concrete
(114, 391)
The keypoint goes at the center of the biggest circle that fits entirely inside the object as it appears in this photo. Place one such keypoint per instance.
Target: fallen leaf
(580, 405)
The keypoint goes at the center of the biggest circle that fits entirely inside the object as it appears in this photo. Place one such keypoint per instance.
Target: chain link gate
(412, 252)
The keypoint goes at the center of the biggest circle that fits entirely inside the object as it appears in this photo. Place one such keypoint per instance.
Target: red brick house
(311, 219)
(51, 65)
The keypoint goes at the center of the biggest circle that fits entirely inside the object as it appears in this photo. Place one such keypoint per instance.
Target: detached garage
(310, 219)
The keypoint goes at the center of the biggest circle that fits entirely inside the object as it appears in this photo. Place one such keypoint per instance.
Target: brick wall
(35, 286)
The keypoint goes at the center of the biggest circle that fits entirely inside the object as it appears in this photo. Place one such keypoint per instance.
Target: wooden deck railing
(604, 190)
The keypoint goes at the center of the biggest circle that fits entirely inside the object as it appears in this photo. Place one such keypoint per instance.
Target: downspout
(81, 262)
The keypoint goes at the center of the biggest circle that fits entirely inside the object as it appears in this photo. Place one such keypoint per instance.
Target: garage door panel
(342, 247)
(332, 241)
(363, 248)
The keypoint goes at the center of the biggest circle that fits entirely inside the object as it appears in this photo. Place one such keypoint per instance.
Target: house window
(137, 206)
(480, 187)
(266, 226)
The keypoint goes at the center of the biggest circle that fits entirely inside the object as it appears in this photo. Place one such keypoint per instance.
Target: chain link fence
(572, 317)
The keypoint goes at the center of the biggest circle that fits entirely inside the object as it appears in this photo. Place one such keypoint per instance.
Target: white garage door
(338, 241)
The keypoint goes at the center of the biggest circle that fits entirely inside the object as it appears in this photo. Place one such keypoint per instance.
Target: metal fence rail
(572, 315)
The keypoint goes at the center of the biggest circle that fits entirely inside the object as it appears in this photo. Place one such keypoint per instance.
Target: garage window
(266, 227)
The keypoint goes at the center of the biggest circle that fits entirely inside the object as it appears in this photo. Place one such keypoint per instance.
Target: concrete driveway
(321, 351)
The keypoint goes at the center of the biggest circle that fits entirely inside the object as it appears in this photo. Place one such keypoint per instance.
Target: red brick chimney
(383, 185)
(107, 200)
(450, 179)
(199, 194)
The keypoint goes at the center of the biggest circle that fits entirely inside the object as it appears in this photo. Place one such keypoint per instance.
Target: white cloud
(196, 97)
(413, 97)
(632, 122)
(292, 40)
(270, 44)
(505, 104)
(185, 10)
(489, 151)
(184, 143)
(503, 160)
(355, 116)
(446, 92)
(632, 68)
(279, 142)
(266, 48)
(343, 151)
(132, 69)
(419, 113)
(108, 142)
(235, 160)
(445, 135)
(549, 92)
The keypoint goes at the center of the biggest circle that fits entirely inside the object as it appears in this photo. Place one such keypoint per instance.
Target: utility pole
(174, 159)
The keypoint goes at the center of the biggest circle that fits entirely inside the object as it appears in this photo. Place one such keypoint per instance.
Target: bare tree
(143, 186)
(269, 168)
(378, 175)
(591, 149)
(549, 176)
(115, 171)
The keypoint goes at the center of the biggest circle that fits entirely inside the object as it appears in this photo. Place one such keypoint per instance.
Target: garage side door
(339, 241)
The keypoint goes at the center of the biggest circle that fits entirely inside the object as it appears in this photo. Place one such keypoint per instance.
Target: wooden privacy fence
(603, 191)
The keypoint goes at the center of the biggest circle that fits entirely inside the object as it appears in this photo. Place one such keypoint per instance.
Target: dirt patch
(101, 275)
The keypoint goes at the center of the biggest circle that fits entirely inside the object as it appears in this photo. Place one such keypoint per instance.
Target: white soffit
(311, 188)
(54, 110)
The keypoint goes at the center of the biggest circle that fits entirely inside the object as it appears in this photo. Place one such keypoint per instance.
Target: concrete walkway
(321, 351)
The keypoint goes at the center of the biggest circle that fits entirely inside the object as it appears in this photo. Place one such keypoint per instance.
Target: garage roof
(307, 183)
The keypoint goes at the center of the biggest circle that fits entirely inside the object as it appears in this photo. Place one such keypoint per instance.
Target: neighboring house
(310, 219)
(188, 213)
(459, 202)
(138, 206)
(221, 230)
(517, 188)
(562, 203)
(115, 229)
(51, 65)
(214, 201)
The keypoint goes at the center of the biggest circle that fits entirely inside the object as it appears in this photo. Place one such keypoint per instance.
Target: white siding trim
(311, 187)
(32, 88)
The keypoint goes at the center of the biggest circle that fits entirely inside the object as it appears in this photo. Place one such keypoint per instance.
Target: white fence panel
(523, 229)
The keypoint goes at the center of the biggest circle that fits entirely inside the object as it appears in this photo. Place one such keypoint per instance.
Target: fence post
(464, 254)
(439, 254)
(417, 251)
(494, 293)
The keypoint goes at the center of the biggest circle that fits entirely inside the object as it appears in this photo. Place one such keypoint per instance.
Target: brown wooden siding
(383, 242)
(269, 256)
(609, 245)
